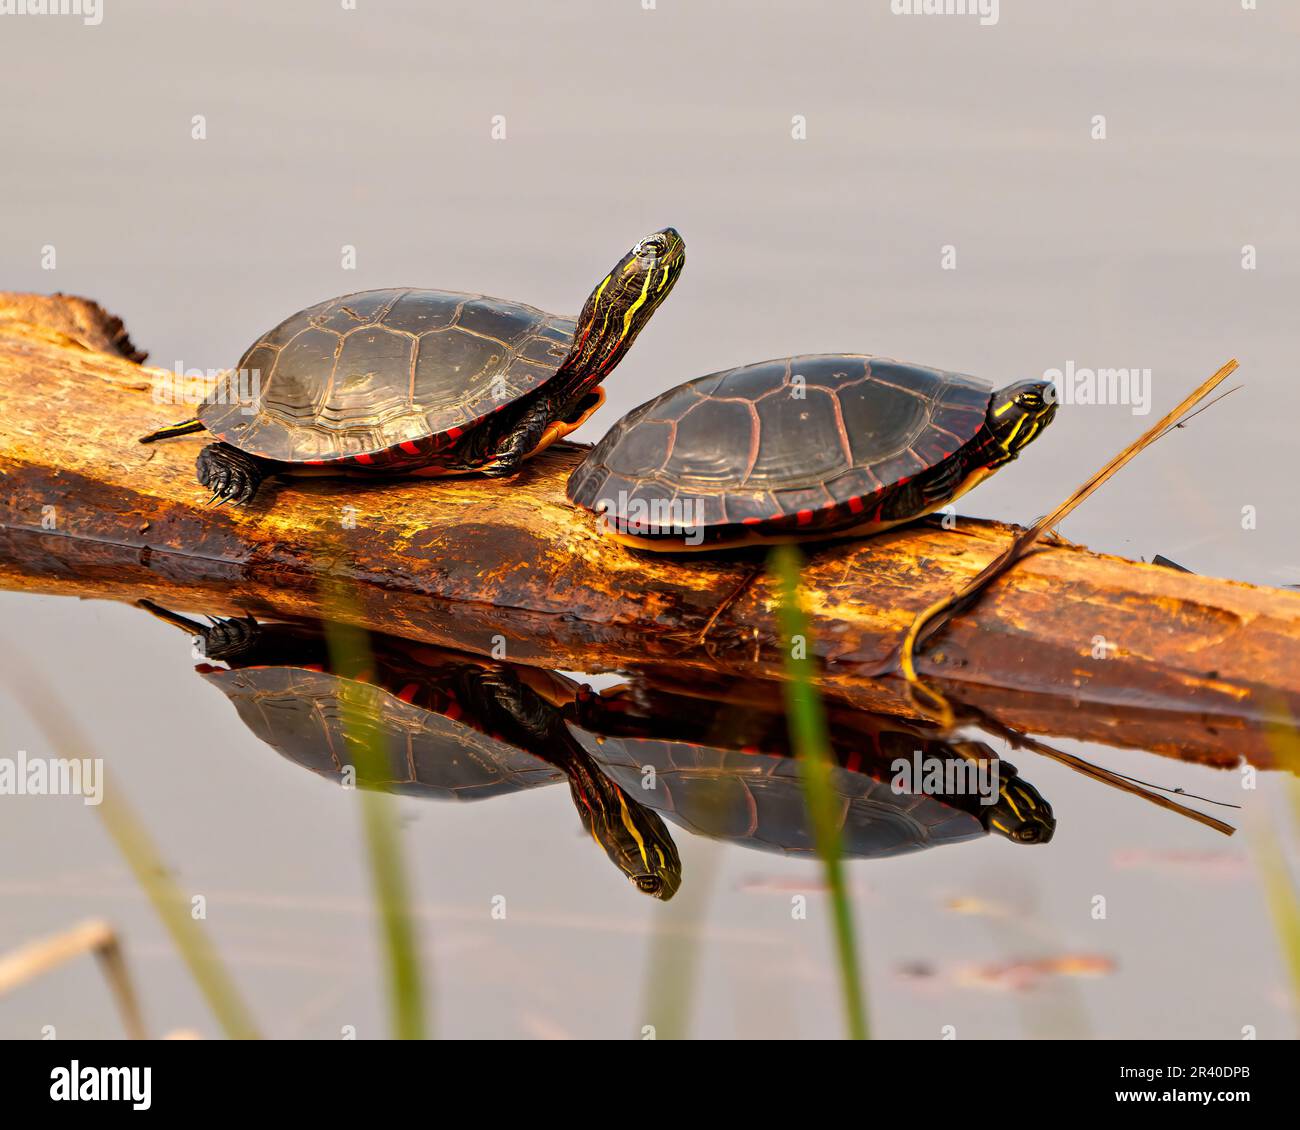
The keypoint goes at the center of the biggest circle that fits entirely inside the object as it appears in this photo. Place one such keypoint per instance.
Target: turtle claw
(220, 484)
(507, 461)
(229, 473)
(227, 638)
(498, 469)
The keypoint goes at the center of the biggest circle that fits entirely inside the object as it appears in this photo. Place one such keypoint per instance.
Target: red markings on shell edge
(804, 517)
(364, 458)
(453, 711)
(313, 462)
(455, 433)
(752, 521)
(410, 448)
(408, 692)
(856, 505)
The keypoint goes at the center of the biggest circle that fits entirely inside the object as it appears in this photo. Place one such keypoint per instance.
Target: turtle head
(1017, 414)
(632, 835)
(1020, 813)
(623, 302)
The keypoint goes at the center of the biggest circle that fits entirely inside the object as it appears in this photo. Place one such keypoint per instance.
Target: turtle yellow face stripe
(586, 324)
(1009, 797)
(1016, 417)
(640, 301)
(634, 832)
(1027, 427)
(622, 303)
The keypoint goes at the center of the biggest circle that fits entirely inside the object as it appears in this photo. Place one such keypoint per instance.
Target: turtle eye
(650, 884)
(654, 246)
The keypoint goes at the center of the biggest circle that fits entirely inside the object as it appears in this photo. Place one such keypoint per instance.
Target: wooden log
(1199, 667)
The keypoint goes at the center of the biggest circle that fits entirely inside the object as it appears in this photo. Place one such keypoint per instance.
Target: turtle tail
(184, 428)
(193, 627)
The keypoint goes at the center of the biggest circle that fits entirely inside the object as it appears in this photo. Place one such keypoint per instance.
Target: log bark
(1199, 668)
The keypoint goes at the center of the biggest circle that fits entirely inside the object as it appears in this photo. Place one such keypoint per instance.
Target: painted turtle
(426, 382)
(829, 445)
(728, 772)
(449, 726)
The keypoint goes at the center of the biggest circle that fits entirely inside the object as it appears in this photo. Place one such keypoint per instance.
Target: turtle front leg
(520, 441)
(228, 637)
(232, 475)
(506, 698)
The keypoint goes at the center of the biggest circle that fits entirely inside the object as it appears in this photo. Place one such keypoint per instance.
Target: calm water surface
(372, 129)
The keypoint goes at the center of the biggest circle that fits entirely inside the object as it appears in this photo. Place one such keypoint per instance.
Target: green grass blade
(1279, 888)
(350, 655)
(808, 735)
(142, 856)
(1279, 895)
(216, 985)
(673, 962)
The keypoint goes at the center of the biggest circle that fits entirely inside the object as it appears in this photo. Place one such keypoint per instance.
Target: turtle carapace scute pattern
(422, 382)
(802, 447)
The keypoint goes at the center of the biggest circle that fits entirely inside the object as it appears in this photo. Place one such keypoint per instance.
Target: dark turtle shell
(756, 799)
(372, 371)
(792, 443)
(299, 713)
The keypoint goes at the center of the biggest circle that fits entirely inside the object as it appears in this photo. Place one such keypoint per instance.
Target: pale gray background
(329, 127)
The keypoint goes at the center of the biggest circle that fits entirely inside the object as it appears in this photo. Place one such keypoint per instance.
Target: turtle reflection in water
(449, 726)
(727, 771)
(455, 726)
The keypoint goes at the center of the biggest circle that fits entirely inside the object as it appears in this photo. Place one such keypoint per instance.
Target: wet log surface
(1196, 667)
